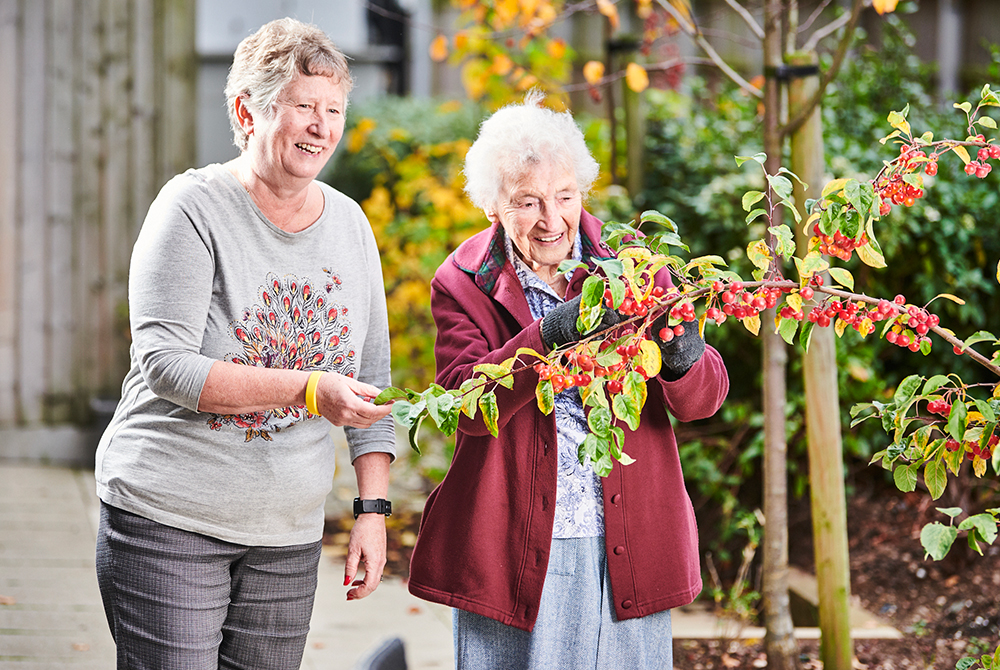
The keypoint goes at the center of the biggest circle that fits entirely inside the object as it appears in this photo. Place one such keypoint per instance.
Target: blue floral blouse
(579, 502)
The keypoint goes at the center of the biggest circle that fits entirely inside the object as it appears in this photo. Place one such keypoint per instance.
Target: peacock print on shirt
(295, 326)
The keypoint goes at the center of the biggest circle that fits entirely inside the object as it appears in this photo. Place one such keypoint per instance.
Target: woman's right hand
(347, 402)
(559, 325)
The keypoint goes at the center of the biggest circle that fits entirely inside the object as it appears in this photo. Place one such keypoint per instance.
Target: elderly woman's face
(541, 215)
(307, 125)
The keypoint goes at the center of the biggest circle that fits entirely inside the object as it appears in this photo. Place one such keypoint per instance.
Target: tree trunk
(780, 644)
(829, 509)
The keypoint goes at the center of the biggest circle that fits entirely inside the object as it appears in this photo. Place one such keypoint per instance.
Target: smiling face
(299, 139)
(541, 216)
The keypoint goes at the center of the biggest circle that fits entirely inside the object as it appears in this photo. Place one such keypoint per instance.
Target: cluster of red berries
(580, 369)
(972, 449)
(561, 377)
(980, 168)
(939, 406)
(919, 321)
(740, 303)
(630, 306)
(892, 189)
(838, 245)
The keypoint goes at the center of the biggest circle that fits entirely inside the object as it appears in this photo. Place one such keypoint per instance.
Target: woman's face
(541, 215)
(307, 125)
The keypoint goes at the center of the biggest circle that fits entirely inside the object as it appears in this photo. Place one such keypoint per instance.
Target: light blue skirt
(576, 627)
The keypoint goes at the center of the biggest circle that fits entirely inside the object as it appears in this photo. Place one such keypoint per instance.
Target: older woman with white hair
(258, 319)
(546, 564)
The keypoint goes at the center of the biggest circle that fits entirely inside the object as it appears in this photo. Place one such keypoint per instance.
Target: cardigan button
(616, 498)
(627, 605)
(619, 550)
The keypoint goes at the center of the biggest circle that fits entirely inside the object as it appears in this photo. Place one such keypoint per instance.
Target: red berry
(717, 286)
(666, 334)
(728, 297)
(585, 362)
(806, 293)
(632, 350)
(983, 170)
(983, 154)
(957, 349)
(931, 169)
(614, 386)
(970, 168)
(678, 330)
(899, 300)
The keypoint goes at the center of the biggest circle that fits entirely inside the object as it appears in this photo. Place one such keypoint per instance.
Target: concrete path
(51, 617)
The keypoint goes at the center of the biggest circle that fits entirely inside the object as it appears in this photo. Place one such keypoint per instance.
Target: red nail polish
(347, 581)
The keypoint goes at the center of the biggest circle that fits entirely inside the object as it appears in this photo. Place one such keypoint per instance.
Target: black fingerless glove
(681, 352)
(559, 325)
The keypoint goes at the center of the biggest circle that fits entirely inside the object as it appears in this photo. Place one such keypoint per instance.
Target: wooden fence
(97, 111)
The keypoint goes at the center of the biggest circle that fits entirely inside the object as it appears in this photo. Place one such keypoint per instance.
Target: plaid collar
(494, 256)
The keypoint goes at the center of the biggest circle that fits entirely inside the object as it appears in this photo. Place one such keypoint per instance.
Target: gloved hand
(559, 325)
(681, 352)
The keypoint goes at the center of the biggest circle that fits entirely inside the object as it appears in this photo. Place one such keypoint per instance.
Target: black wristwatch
(378, 506)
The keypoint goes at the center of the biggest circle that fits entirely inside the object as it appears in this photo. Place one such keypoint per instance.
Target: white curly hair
(514, 140)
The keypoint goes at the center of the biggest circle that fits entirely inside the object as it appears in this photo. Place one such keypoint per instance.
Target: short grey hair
(268, 60)
(515, 139)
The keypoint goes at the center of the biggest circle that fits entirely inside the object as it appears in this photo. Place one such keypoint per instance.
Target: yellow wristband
(311, 392)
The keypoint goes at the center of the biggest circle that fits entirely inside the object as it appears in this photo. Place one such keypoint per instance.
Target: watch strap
(376, 506)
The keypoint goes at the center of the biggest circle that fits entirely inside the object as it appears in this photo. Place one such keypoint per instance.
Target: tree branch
(695, 34)
(747, 17)
(828, 76)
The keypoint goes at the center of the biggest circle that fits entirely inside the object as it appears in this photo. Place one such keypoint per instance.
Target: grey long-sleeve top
(212, 279)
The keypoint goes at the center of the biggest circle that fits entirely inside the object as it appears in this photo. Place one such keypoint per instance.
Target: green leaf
(985, 409)
(412, 434)
(987, 122)
(937, 539)
(612, 267)
(602, 466)
(617, 287)
(389, 394)
(787, 328)
(599, 421)
(950, 511)
(625, 408)
(784, 240)
(965, 106)
(905, 477)
(491, 413)
(781, 186)
(984, 524)
(591, 304)
(760, 158)
(545, 397)
(805, 335)
(957, 420)
(750, 198)
(496, 373)
(634, 386)
(933, 384)
(569, 265)
(588, 448)
(471, 390)
(657, 217)
(755, 214)
(906, 390)
(842, 277)
(936, 478)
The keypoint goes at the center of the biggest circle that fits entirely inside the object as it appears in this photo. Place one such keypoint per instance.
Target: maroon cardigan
(486, 530)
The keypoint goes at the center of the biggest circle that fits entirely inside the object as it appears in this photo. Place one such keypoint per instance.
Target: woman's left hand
(367, 545)
(347, 402)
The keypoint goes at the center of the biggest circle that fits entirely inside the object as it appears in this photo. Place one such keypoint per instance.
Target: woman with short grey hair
(546, 564)
(258, 319)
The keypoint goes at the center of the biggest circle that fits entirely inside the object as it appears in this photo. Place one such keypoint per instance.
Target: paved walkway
(51, 617)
